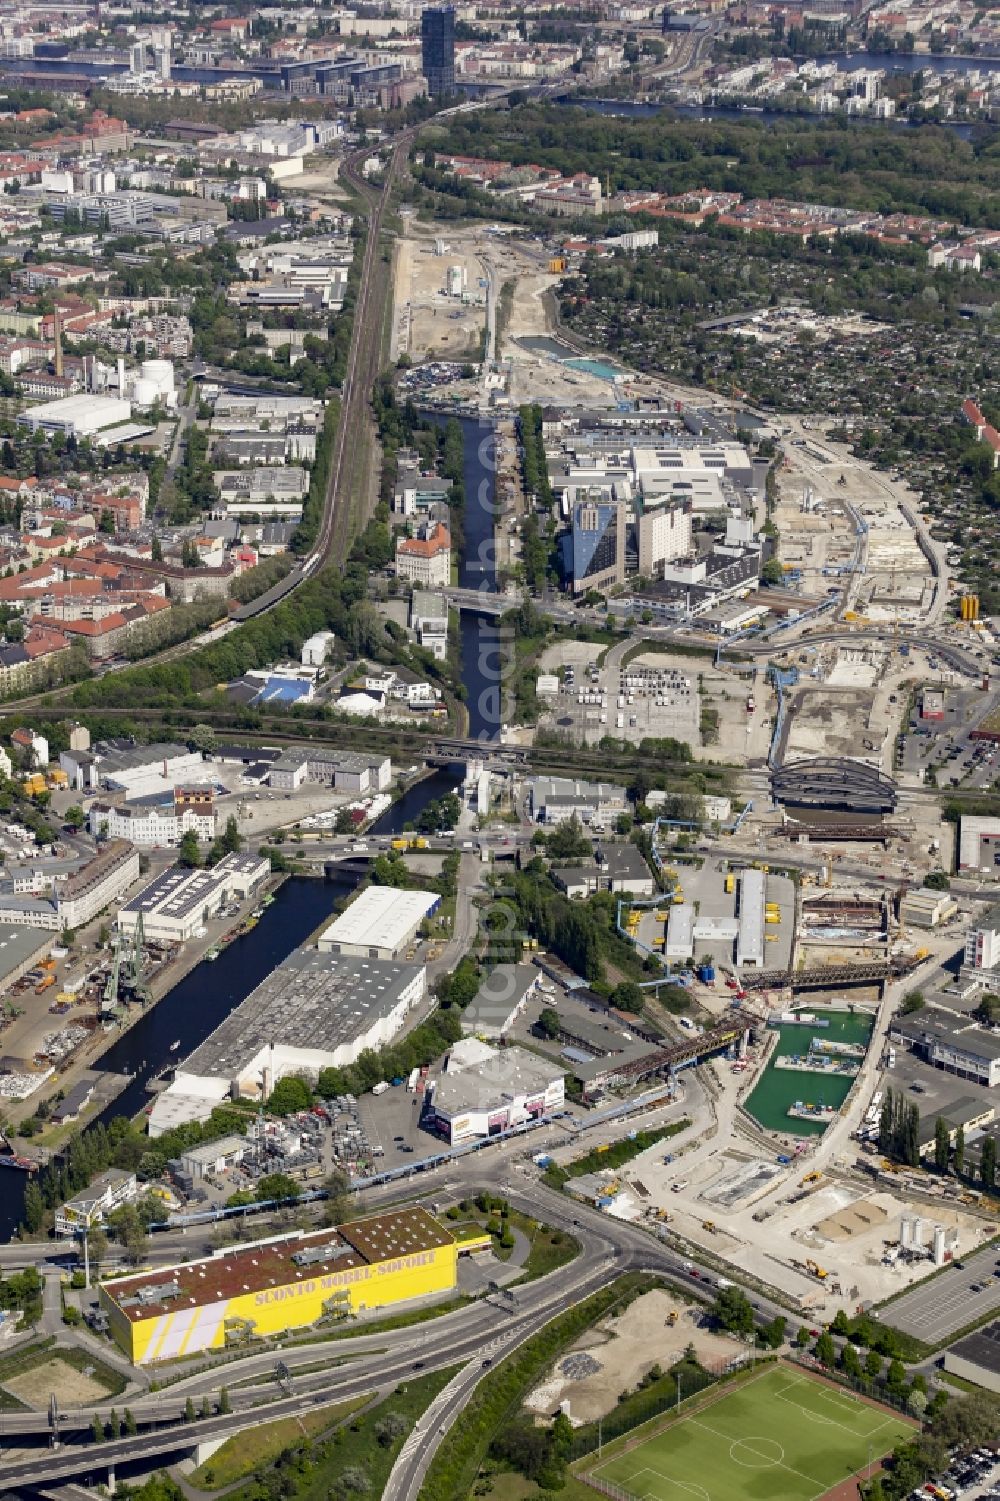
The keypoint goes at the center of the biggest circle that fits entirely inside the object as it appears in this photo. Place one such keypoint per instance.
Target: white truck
(380, 1087)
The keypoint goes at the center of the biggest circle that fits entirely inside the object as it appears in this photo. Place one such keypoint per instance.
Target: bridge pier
(111, 1480)
(204, 1450)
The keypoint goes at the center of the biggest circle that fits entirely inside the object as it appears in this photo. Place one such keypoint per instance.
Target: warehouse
(483, 1092)
(500, 1000)
(979, 843)
(380, 923)
(177, 903)
(268, 1287)
(20, 950)
(314, 1011)
(750, 939)
(953, 1044)
(926, 908)
(977, 1358)
(76, 416)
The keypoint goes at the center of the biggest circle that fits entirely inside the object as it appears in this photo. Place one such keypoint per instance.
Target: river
(199, 1002)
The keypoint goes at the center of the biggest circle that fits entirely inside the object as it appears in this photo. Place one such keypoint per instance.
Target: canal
(199, 1002)
(777, 1090)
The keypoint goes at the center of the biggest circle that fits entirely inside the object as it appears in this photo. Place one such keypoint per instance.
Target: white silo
(939, 1245)
(906, 1232)
(919, 1226)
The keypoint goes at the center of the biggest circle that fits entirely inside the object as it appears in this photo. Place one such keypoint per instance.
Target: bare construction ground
(71, 1388)
(625, 1348)
(440, 304)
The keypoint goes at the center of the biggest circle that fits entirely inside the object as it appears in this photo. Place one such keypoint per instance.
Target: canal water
(778, 1089)
(199, 1002)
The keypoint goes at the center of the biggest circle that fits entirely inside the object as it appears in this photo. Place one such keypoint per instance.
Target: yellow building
(264, 1288)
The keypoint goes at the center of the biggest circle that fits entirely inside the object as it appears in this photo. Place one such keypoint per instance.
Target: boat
(213, 953)
(23, 1164)
(175, 1045)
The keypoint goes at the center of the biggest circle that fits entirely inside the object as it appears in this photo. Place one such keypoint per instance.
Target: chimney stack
(57, 319)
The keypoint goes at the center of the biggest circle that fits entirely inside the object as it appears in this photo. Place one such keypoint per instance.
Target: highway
(484, 1330)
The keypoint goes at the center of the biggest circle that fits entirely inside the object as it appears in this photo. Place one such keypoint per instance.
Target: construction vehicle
(819, 1272)
(400, 844)
(677, 898)
(730, 884)
(418, 844)
(709, 1225)
(772, 918)
(671, 1318)
(810, 1178)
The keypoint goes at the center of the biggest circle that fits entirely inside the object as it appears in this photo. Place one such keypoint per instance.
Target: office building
(597, 545)
(484, 1091)
(437, 37)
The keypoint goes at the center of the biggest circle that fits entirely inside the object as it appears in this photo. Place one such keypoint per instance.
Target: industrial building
(267, 1287)
(380, 923)
(926, 908)
(954, 1044)
(979, 844)
(315, 1011)
(976, 1358)
(175, 904)
(76, 416)
(20, 950)
(483, 1092)
(500, 999)
(750, 938)
(140, 770)
(554, 799)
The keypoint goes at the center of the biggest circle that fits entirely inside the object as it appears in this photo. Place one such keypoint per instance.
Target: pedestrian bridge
(483, 601)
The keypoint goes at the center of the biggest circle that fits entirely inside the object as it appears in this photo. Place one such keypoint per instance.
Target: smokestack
(58, 338)
(121, 376)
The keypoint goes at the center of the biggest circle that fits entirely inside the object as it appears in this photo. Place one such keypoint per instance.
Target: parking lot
(940, 1307)
(943, 747)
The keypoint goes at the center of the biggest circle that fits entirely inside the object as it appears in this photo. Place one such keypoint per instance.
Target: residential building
(109, 1191)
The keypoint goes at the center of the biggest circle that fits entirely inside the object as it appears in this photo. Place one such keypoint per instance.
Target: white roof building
(76, 416)
(379, 924)
(750, 939)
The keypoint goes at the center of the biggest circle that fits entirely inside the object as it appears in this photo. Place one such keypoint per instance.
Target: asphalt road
(608, 1248)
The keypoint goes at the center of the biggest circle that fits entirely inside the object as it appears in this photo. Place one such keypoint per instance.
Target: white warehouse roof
(82, 414)
(382, 918)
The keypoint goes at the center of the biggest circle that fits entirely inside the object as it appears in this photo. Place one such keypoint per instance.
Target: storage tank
(939, 1245)
(906, 1232)
(160, 372)
(143, 392)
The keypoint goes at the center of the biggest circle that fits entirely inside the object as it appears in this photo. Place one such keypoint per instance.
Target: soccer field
(781, 1436)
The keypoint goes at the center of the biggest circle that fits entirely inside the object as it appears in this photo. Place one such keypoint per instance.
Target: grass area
(359, 1455)
(453, 1471)
(613, 1156)
(784, 1436)
(255, 1447)
(550, 1249)
(509, 1486)
(957, 1381)
(21, 1364)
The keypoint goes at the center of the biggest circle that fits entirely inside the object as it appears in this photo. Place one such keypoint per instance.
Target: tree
(224, 1404)
(802, 1336)
(873, 1365)
(912, 1001)
(276, 1186)
(988, 1166)
(896, 1374)
(850, 1362)
(568, 841)
(97, 1429)
(189, 1411)
(157, 549)
(937, 880)
(825, 1350)
(840, 1325)
(942, 1144)
(34, 1207)
(917, 1403)
(289, 1095)
(76, 816)
(548, 1022)
(188, 852)
(959, 1150)
(232, 840)
(131, 1426)
(733, 1310)
(774, 1332)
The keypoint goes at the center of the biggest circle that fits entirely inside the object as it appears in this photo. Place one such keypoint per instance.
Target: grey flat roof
(18, 945)
(513, 1071)
(982, 1348)
(312, 1001)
